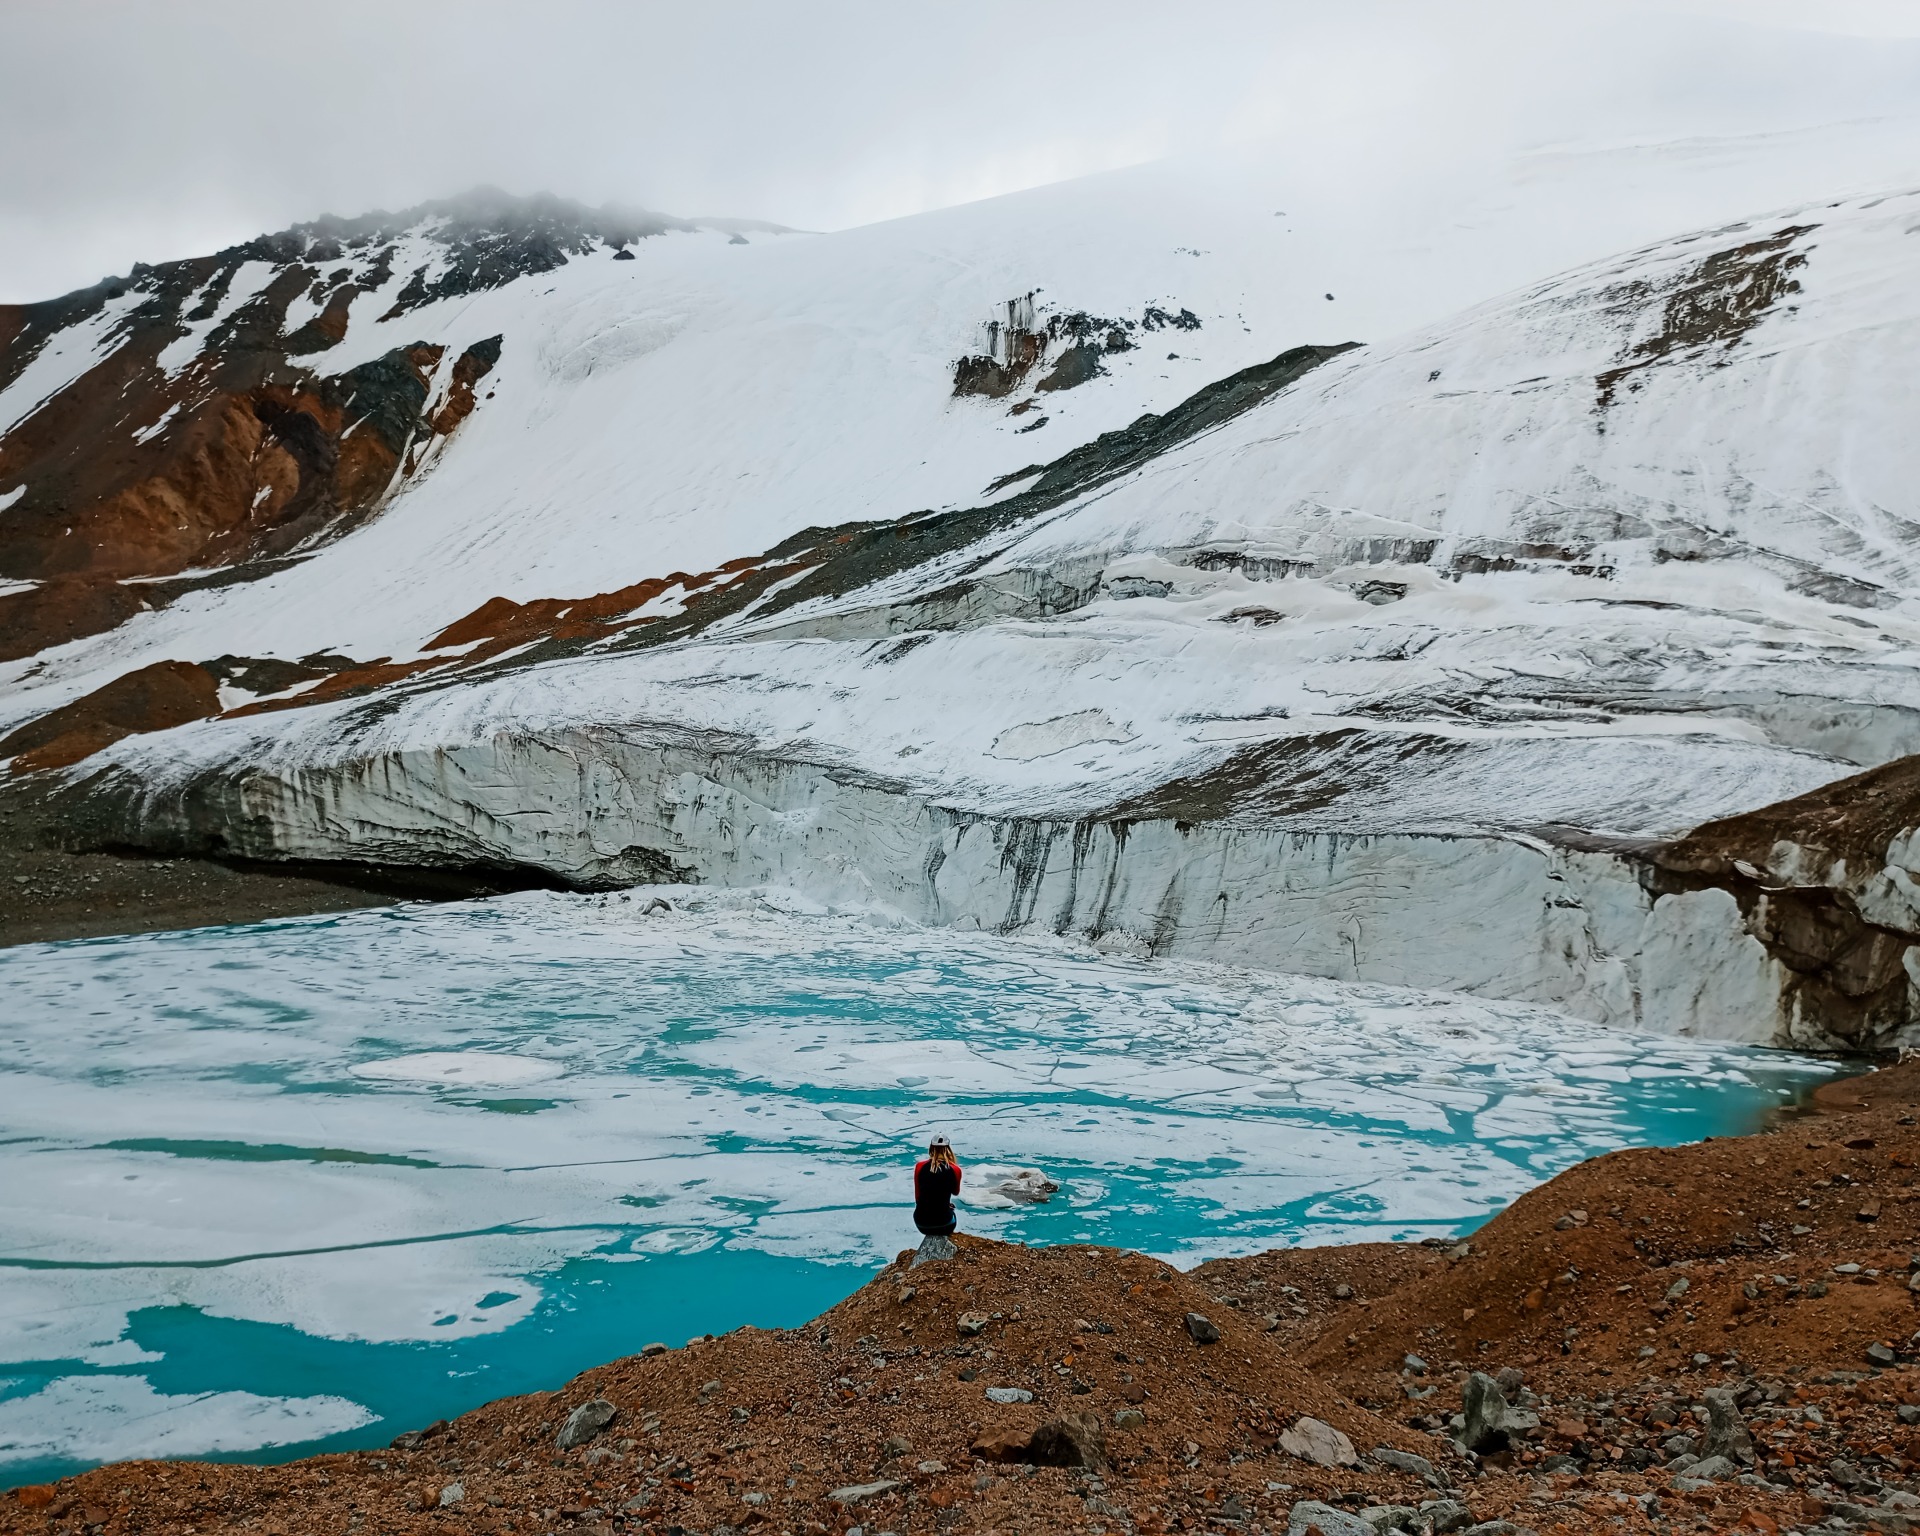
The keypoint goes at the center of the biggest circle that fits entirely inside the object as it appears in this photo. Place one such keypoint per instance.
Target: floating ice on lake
(999, 1188)
(114, 1418)
(459, 1069)
(212, 1158)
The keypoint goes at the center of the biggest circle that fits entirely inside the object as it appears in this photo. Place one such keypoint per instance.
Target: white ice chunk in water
(113, 1418)
(999, 1188)
(460, 1069)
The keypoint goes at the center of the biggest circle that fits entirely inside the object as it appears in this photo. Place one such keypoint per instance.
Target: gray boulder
(1310, 1517)
(1446, 1516)
(1320, 1443)
(1201, 1330)
(1406, 1461)
(1491, 1423)
(1072, 1440)
(585, 1422)
(934, 1248)
(1726, 1431)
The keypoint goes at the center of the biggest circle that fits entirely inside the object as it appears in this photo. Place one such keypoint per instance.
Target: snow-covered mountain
(1057, 561)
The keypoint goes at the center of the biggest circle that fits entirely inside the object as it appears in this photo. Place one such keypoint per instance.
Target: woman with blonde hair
(936, 1180)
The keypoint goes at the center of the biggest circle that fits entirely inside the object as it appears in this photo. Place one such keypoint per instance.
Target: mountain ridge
(1508, 603)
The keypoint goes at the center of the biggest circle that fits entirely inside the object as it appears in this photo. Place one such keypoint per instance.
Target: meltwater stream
(294, 1186)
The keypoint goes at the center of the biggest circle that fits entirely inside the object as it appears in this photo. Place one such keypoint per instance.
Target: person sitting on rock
(936, 1180)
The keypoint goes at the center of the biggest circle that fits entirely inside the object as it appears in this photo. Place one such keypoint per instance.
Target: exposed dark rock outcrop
(1019, 342)
(1714, 304)
(155, 698)
(242, 451)
(1826, 881)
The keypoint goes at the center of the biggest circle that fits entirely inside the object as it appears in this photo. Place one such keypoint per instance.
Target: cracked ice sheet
(732, 1076)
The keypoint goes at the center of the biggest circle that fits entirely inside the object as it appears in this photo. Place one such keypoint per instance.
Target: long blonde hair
(941, 1157)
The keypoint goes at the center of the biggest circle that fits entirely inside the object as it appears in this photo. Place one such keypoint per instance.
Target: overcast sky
(146, 131)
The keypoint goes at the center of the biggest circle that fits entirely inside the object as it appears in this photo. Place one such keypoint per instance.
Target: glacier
(1439, 633)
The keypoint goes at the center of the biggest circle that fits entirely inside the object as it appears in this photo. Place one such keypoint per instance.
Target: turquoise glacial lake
(296, 1186)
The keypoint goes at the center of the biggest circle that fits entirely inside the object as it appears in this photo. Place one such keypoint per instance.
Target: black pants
(936, 1226)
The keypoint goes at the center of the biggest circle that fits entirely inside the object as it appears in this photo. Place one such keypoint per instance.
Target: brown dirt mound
(1582, 1267)
(883, 1388)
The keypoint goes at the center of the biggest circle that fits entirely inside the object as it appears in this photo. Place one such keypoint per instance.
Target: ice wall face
(1419, 661)
(1505, 916)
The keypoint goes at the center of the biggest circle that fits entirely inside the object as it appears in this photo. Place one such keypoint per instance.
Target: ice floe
(525, 1133)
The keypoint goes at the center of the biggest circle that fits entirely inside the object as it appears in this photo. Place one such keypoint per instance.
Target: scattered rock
(1129, 1418)
(1489, 1420)
(858, 1493)
(1727, 1435)
(1406, 1461)
(1201, 1330)
(650, 1350)
(1710, 1468)
(452, 1494)
(970, 1323)
(586, 1421)
(1318, 1442)
(1882, 1355)
(1310, 1517)
(896, 1445)
(412, 1439)
(1009, 1395)
(1445, 1516)
(1004, 1443)
(1072, 1440)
